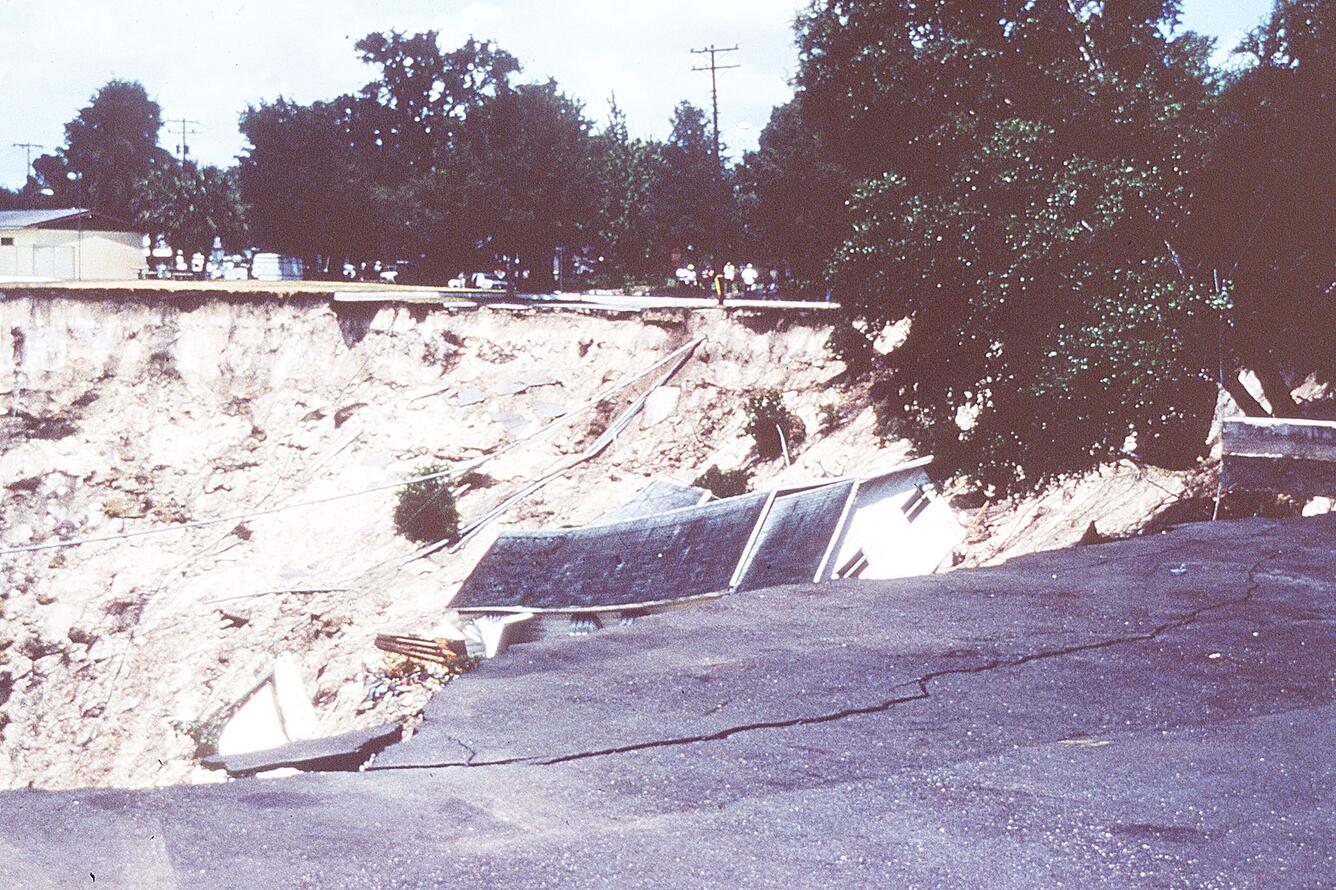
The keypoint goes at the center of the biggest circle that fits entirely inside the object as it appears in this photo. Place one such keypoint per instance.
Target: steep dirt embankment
(123, 415)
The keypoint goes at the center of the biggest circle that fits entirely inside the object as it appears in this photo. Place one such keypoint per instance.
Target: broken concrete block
(294, 705)
(1319, 506)
(488, 634)
(276, 713)
(346, 751)
(255, 726)
(468, 395)
(58, 620)
(659, 406)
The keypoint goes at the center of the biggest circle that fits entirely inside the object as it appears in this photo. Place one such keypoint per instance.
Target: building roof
(59, 218)
(675, 555)
(644, 558)
(797, 536)
(660, 496)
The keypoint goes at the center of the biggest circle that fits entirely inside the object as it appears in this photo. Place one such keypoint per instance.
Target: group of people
(730, 279)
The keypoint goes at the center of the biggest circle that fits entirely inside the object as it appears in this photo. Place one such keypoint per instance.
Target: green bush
(766, 418)
(426, 511)
(724, 483)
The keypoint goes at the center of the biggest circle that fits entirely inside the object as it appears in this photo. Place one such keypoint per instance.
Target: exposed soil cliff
(128, 414)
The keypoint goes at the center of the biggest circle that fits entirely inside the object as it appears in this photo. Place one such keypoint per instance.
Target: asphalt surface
(1150, 713)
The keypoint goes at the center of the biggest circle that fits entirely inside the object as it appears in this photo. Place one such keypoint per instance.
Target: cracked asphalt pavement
(1152, 713)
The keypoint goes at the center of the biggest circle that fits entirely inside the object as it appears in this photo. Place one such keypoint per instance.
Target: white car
(482, 281)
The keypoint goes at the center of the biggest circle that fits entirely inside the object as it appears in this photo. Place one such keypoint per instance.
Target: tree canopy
(303, 188)
(1028, 186)
(445, 161)
(1264, 216)
(111, 146)
(796, 195)
(687, 197)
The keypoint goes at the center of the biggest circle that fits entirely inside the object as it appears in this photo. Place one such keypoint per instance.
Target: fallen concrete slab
(1295, 457)
(1155, 712)
(346, 751)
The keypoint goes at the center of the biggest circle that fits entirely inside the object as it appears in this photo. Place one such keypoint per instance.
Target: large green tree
(189, 206)
(1023, 167)
(627, 171)
(1264, 220)
(526, 158)
(304, 191)
(111, 146)
(795, 195)
(690, 209)
(401, 122)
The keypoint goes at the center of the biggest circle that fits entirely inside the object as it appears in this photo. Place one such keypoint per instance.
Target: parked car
(483, 281)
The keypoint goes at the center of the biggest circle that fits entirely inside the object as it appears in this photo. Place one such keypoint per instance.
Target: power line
(27, 157)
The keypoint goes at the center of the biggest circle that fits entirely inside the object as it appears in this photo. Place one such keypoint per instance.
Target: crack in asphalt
(919, 685)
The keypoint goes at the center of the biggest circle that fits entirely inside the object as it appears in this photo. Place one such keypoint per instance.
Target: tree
(795, 193)
(627, 172)
(413, 111)
(189, 206)
(304, 191)
(1264, 220)
(403, 130)
(113, 146)
(525, 156)
(687, 202)
(1023, 169)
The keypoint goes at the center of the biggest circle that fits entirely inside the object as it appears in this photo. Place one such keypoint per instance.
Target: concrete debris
(347, 751)
(468, 395)
(277, 712)
(659, 406)
(518, 426)
(524, 383)
(547, 410)
(1318, 506)
(489, 635)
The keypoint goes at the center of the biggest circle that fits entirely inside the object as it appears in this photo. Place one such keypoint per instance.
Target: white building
(667, 550)
(67, 245)
(897, 526)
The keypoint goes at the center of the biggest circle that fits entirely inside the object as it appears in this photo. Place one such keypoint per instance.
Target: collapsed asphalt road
(1156, 712)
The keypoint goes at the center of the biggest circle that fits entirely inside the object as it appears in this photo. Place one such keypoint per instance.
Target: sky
(206, 61)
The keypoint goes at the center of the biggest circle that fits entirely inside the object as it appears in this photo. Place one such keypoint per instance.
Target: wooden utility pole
(714, 68)
(183, 149)
(27, 159)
